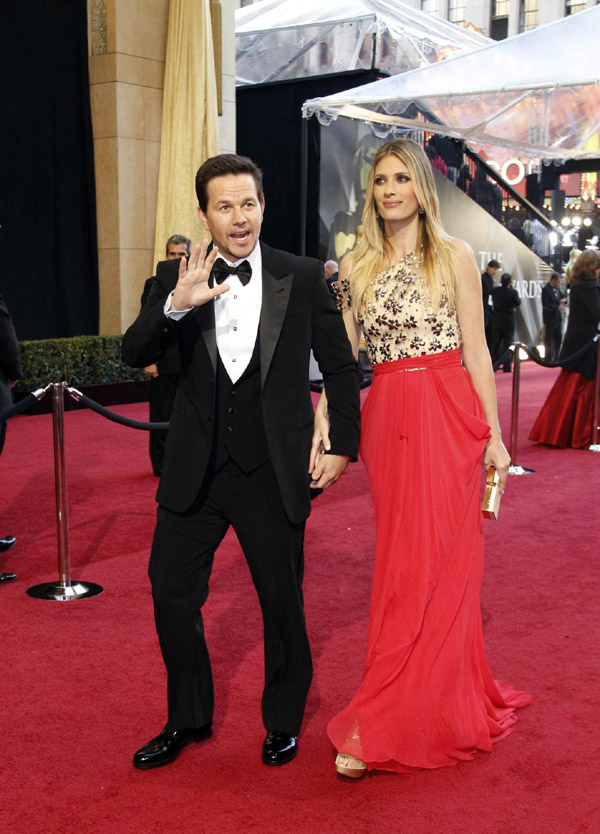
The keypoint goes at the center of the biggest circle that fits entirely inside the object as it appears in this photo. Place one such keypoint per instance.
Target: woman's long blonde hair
(373, 252)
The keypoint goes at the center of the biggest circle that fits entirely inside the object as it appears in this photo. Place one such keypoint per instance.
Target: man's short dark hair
(506, 279)
(494, 264)
(179, 239)
(221, 166)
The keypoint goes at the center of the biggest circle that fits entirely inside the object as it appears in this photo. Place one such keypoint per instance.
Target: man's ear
(203, 219)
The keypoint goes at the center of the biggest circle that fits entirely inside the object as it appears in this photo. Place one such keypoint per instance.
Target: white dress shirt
(237, 314)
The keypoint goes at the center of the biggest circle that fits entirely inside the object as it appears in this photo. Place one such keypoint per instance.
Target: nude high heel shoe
(347, 765)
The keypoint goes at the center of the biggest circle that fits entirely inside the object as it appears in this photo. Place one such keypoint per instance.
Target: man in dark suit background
(10, 374)
(164, 373)
(238, 447)
(552, 306)
(505, 300)
(487, 285)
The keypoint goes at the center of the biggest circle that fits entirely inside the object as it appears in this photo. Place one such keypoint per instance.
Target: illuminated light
(566, 221)
(520, 171)
(587, 221)
(577, 221)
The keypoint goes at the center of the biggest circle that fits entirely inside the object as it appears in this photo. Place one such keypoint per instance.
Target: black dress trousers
(180, 565)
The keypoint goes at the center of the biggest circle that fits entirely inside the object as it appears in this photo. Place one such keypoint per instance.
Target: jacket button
(229, 428)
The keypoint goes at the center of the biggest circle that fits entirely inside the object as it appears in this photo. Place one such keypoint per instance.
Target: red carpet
(83, 684)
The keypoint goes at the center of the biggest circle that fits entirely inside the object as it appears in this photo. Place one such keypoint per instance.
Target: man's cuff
(351, 458)
(176, 315)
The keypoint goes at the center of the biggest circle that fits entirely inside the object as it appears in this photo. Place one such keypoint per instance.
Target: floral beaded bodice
(399, 320)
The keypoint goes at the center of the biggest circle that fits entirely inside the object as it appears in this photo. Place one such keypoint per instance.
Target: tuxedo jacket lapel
(205, 321)
(275, 297)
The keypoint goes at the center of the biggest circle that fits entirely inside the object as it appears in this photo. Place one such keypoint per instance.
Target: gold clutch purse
(492, 495)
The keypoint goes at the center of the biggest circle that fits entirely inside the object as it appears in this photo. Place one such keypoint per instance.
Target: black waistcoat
(240, 431)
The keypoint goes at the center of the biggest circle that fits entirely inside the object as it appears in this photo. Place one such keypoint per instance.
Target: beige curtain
(189, 120)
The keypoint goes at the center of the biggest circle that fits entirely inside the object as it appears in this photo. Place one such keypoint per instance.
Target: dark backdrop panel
(48, 251)
(269, 131)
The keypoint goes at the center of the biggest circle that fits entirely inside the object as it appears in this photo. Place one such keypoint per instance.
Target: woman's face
(393, 191)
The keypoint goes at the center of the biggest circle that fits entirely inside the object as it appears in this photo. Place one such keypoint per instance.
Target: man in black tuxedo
(552, 306)
(505, 300)
(487, 285)
(246, 317)
(10, 374)
(164, 373)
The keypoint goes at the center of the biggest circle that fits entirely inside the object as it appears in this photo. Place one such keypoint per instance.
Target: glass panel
(499, 28)
(431, 6)
(500, 8)
(528, 15)
(456, 11)
(574, 6)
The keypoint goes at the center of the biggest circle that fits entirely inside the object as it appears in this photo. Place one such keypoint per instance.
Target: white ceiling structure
(284, 39)
(537, 93)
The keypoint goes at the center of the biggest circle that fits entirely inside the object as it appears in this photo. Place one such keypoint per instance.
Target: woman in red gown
(427, 697)
(567, 415)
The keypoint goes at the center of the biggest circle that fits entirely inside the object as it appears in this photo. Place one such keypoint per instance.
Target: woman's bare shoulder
(462, 249)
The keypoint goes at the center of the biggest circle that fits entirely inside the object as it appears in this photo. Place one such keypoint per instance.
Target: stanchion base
(595, 447)
(64, 593)
(519, 470)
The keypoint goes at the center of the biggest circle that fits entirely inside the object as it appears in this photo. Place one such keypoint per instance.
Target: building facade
(500, 19)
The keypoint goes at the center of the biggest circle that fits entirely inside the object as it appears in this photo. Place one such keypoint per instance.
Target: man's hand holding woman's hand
(192, 288)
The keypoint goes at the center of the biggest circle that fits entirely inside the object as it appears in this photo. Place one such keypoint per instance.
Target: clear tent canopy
(278, 40)
(537, 93)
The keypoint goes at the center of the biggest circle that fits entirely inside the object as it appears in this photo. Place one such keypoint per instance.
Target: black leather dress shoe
(7, 543)
(279, 748)
(7, 577)
(166, 746)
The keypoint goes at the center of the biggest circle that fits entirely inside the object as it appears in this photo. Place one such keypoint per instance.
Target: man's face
(492, 270)
(555, 282)
(176, 250)
(233, 214)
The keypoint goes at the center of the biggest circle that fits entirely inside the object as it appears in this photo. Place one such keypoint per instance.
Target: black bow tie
(221, 271)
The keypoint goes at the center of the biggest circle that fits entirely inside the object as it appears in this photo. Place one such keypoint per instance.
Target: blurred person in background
(553, 299)
(505, 300)
(164, 373)
(567, 415)
(10, 374)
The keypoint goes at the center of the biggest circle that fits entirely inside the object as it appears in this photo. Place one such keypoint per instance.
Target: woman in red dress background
(427, 698)
(567, 415)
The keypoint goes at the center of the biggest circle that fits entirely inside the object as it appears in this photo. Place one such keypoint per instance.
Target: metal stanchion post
(65, 589)
(595, 447)
(514, 468)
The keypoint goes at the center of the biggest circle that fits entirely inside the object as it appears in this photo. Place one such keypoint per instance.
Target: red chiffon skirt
(427, 697)
(567, 416)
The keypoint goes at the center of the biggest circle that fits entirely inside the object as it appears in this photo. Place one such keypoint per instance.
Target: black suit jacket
(298, 313)
(169, 361)
(505, 301)
(487, 285)
(584, 317)
(551, 298)
(10, 362)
